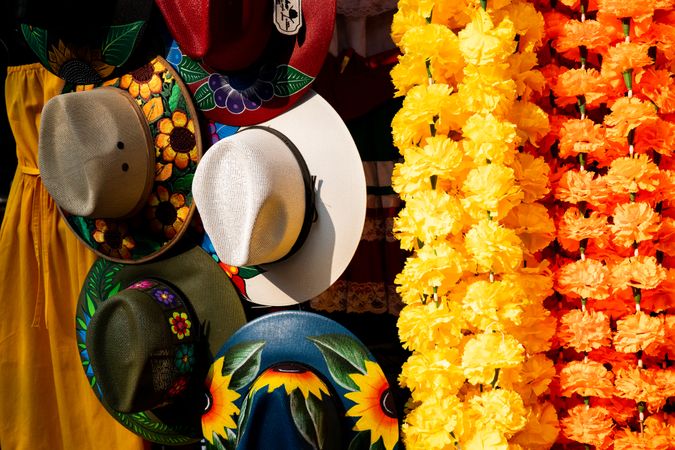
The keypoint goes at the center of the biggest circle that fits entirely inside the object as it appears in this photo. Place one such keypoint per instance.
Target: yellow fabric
(45, 400)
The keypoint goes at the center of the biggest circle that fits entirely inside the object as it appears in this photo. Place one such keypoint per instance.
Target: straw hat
(287, 197)
(147, 334)
(119, 158)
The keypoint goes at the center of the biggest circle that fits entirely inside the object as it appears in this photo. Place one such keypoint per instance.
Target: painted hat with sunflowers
(118, 158)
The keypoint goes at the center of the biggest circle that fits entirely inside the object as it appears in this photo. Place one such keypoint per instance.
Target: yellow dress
(45, 400)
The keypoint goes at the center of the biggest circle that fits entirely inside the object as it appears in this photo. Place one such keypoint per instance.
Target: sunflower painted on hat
(302, 381)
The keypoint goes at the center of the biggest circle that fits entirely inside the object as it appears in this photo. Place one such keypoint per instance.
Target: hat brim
(332, 156)
(329, 350)
(216, 305)
(166, 105)
(272, 85)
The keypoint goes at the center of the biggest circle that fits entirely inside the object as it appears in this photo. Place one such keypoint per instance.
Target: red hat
(253, 61)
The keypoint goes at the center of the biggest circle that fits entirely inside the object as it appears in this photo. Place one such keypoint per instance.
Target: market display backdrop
(536, 140)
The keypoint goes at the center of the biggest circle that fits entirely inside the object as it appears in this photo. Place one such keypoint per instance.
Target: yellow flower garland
(474, 286)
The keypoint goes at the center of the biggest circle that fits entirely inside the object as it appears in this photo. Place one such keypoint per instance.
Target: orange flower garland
(610, 76)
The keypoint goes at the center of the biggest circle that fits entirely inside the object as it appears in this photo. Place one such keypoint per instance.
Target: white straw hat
(288, 196)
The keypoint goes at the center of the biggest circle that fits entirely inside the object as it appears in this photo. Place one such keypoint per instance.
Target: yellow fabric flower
(488, 139)
(430, 424)
(541, 430)
(532, 175)
(532, 224)
(536, 329)
(404, 19)
(501, 409)
(493, 247)
(485, 352)
(436, 267)
(528, 81)
(485, 439)
(495, 303)
(421, 107)
(531, 121)
(530, 379)
(487, 89)
(481, 42)
(435, 370)
(430, 215)
(490, 189)
(425, 327)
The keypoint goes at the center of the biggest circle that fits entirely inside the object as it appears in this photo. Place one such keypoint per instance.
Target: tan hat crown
(96, 155)
(263, 213)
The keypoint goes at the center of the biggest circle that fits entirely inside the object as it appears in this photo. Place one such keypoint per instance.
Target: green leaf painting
(288, 80)
(343, 355)
(191, 71)
(156, 431)
(120, 42)
(361, 441)
(247, 272)
(242, 361)
(83, 226)
(37, 40)
(183, 185)
(204, 97)
(309, 418)
(175, 97)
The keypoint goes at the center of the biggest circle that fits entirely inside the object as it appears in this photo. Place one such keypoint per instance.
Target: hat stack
(266, 209)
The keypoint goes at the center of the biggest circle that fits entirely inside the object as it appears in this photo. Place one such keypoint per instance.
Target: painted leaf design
(247, 272)
(120, 42)
(361, 441)
(243, 362)
(37, 40)
(203, 96)
(379, 445)
(154, 109)
(183, 185)
(307, 419)
(218, 444)
(191, 71)
(288, 80)
(343, 355)
(244, 414)
(155, 431)
(175, 97)
(81, 224)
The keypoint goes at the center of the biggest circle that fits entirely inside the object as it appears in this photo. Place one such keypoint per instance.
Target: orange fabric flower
(586, 379)
(626, 439)
(638, 331)
(587, 425)
(580, 82)
(661, 298)
(623, 8)
(581, 136)
(626, 56)
(658, 136)
(574, 227)
(628, 113)
(621, 410)
(589, 33)
(659, 87)
(629, 175)
(582, 186)
(634, 222)
(584, 330)
(639, 385)
(586, 278)
(642, 272)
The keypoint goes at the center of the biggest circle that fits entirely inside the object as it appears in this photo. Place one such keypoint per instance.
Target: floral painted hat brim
(189, 270)
(273, 84)
(334, 357)
(167, 213)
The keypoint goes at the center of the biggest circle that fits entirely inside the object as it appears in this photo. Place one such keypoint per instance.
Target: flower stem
(493, 383)
(483, 4)
(628, 79)
(433, 179)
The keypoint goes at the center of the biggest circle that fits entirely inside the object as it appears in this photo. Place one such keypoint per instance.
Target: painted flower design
(143, 284)
(113, 239)
(374, 406)
(177, 387)
(185, 358)
(245, 91)
(180, 324)
(167, 212)
(291, 377)
(85, 64)
(144, 81)
(221, 407)
(164, 296)
(218, 131)
(176, 140)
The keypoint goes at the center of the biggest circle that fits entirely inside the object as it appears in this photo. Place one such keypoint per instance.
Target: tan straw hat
(287, 196)
(119, 158)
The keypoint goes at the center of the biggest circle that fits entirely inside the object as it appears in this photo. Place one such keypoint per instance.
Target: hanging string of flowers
(612, 139)
(475, 284)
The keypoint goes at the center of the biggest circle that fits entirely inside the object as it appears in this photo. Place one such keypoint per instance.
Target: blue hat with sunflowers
(295, 379)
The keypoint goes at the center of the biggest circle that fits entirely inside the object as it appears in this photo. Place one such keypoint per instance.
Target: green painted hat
(147, 334)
